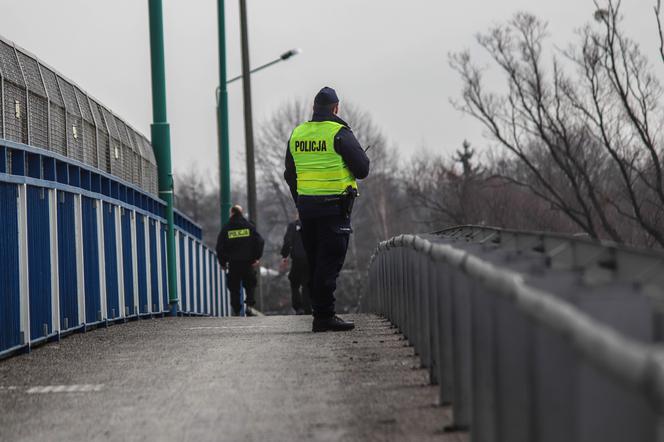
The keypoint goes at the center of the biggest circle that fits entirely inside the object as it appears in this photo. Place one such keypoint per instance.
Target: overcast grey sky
(389, 57)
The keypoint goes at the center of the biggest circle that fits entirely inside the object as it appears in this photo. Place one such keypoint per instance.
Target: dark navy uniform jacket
(239, 241)
(293, 246)
(346, 145)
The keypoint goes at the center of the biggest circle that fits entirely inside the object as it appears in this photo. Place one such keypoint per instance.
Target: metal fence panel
(42, 108)
(183, 273)
(103, 137)
(37, 102)
(67, 262)
(141, 265)
(127, 151)
(39, 262)
(10, 302)
(3, 159)
(58, 120)
(111, 262)
(164, 264)
(137, 164)
(192, 292)
(89, 129)
(127, 263)
(515, 374)
(154, 273)
(91, 261)
(150, 173)
(463, 368)
(204, 292)
(115, 146)
(483, 355)
(555, 379)
(199, 292)
(74, 121)
(15, 96)
(609, 411)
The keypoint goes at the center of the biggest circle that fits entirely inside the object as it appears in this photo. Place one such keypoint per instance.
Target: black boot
(334, 323)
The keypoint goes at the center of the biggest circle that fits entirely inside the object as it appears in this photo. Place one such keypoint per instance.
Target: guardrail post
(514, 404)
(411, 306)
(444, 281)
(483, 355)
(424, 297)
(400, 293)
(434, 320)
(462, 357)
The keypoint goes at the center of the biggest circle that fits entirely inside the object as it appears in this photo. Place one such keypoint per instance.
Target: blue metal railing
(80, 247)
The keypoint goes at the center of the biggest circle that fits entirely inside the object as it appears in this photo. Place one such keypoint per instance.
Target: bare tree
(197, 196)
(622, 110)
(575, 135)
(658, 14)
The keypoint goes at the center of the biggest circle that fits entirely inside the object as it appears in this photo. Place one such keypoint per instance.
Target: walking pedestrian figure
(239, 250)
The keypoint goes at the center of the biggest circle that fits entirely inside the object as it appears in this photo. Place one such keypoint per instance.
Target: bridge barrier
(80, 248)
(530, 336)
(42, 108)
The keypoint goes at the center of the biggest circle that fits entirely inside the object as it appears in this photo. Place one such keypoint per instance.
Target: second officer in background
(239, 250)
(299, 272)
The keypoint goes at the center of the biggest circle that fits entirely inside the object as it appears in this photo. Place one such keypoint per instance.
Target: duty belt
(324, 199)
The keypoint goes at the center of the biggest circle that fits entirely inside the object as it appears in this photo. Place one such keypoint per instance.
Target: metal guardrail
(530, 336)
(41, 108)
(82, 248)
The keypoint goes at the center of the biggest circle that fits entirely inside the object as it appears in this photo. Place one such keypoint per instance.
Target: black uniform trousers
(241, 273)
(299, 279)
(325, 241)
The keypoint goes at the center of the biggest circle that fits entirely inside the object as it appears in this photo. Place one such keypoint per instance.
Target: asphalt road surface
(214, 379)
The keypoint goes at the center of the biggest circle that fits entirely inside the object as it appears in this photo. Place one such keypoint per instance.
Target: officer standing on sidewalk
(323, 161)
(239, 249)
(299, 271)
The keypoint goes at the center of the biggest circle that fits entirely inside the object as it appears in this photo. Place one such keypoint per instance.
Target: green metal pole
(222, 121)
(161, 139)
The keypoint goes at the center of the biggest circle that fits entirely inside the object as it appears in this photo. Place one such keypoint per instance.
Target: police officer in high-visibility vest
(323, 162)
(239, 249)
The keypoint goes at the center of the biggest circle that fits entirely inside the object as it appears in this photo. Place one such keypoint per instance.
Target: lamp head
(291, 53)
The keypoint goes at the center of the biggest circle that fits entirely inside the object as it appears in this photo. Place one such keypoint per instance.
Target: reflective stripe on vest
(239, 233)
(320, 169)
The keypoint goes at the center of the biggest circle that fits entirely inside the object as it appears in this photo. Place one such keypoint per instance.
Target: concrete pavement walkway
(230, 379)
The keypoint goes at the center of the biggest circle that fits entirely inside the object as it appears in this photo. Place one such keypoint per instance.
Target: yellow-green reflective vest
(320, 169)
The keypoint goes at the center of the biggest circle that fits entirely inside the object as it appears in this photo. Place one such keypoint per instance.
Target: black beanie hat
(326, 96)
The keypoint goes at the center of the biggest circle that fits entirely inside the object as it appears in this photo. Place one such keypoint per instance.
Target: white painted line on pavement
(82, 388)
(232, 327)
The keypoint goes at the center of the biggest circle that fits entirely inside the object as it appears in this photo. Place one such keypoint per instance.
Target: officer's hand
(283, 266)
(256, 263)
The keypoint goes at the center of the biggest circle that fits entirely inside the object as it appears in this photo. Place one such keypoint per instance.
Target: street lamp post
(222, 115)
(161, 140)
(222, 121)
(248, 115)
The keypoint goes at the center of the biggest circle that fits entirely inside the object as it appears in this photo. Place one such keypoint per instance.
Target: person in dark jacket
(323, 162)
(299, 271)
(239, 250)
